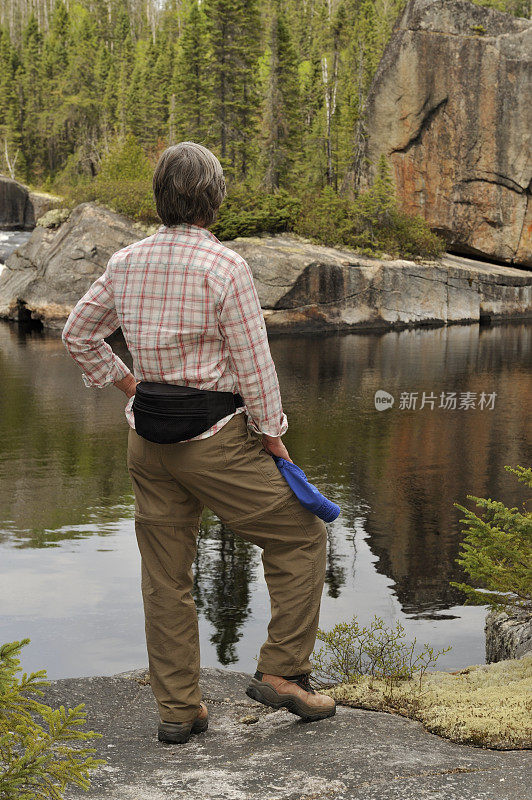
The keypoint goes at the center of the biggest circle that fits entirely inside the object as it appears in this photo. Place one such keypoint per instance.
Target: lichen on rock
(484, 705)
(53, 218)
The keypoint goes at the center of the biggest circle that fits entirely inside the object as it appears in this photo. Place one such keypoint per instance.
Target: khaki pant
(238, 480)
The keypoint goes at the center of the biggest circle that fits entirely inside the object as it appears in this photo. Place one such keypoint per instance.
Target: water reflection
(225, 569)
(64, 487)
(406, 467)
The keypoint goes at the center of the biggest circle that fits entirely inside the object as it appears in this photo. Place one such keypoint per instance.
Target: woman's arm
(242, 326)
(91, 320)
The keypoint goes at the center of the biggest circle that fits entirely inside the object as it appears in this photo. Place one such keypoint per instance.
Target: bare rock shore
(356, 755)
(302, 286)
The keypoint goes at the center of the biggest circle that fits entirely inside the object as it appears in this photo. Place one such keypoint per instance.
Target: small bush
(244, 213)
(124, 182)
(125, 161)
(497, 552)
(372, 223)
(38, 761)
(349, 652)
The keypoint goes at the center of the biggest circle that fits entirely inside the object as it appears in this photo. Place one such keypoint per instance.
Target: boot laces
(302, 680)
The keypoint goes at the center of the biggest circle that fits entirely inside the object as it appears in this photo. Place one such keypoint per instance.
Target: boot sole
(265, 693)
(180, 732)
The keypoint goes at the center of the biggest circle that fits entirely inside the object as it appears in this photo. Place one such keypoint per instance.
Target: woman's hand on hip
(275, 447)
(128, 385)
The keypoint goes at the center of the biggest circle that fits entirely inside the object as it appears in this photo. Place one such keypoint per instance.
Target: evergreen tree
(282, 121)
(159, 83)
(10, 137)
(497, 551)
(234, 37)
(29, 79)
(125, 63)
(189, 97)
(43, 751)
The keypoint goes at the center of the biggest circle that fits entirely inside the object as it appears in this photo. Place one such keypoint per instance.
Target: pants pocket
(136, 447)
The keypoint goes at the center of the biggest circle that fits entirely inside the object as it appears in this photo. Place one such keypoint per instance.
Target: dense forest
(277, 90)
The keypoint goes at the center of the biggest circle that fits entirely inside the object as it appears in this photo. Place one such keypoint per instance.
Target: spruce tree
(10, 135)
(190, 80)
(234, 38)
(29, 79)
(282, 120)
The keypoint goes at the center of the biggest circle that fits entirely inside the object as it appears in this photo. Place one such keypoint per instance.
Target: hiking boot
(180, 732)
(293, 693)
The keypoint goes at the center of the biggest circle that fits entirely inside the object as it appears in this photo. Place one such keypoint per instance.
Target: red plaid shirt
(190, 315)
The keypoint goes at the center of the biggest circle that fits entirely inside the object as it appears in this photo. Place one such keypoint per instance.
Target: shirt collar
(186, 228)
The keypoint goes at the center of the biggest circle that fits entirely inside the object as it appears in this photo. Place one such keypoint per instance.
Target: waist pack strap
(168, 392)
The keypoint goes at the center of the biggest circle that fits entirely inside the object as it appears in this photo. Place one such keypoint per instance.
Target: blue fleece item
(306, 492)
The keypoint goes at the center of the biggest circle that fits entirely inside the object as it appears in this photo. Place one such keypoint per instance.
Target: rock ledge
(356, 755)
(302, 287)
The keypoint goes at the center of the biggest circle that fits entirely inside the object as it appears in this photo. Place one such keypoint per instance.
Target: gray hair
(188, 185)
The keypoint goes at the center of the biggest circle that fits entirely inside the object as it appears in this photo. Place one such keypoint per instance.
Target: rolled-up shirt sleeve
(242, 326)
(91, 320)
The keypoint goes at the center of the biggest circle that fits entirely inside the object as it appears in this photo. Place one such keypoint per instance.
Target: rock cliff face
(20, 208)
(450, 105)
(307, 287)
(302, 286)
(16, 209)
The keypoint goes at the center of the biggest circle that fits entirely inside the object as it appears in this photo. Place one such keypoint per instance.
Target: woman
(191, 317)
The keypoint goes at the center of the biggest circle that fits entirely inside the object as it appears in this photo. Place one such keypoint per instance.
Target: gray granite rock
(16, 208)
(43, 202)
(356, 755)
(301, 286)
(508, 635)
(48, 275)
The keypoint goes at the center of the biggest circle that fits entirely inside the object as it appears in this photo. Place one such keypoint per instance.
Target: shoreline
(302, 287)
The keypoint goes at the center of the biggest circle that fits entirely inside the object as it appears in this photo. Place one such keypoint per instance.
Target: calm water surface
(69, 566)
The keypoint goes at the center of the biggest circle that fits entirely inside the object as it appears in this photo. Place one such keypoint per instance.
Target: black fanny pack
(166, 413)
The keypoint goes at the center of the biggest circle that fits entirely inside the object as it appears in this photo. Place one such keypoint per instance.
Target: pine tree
(10, 136)
(159, 82)
(124, 66)
(29, 79)
(497, 551)
(234, 38)
(42, 750)
(282, 119)
(190, 80)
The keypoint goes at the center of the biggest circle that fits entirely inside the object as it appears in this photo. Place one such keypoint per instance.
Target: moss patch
(53, 218)
(487, 706)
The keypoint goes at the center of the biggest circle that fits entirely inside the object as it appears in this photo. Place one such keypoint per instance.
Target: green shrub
(497, 551)
(372, 224)
(325, 218)
(125, 161)
(245, 213)
(38, 761)
(124, 182)
(349, 652)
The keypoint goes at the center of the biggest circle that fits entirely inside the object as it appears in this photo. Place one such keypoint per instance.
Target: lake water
(69, 566)
(9, 241)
